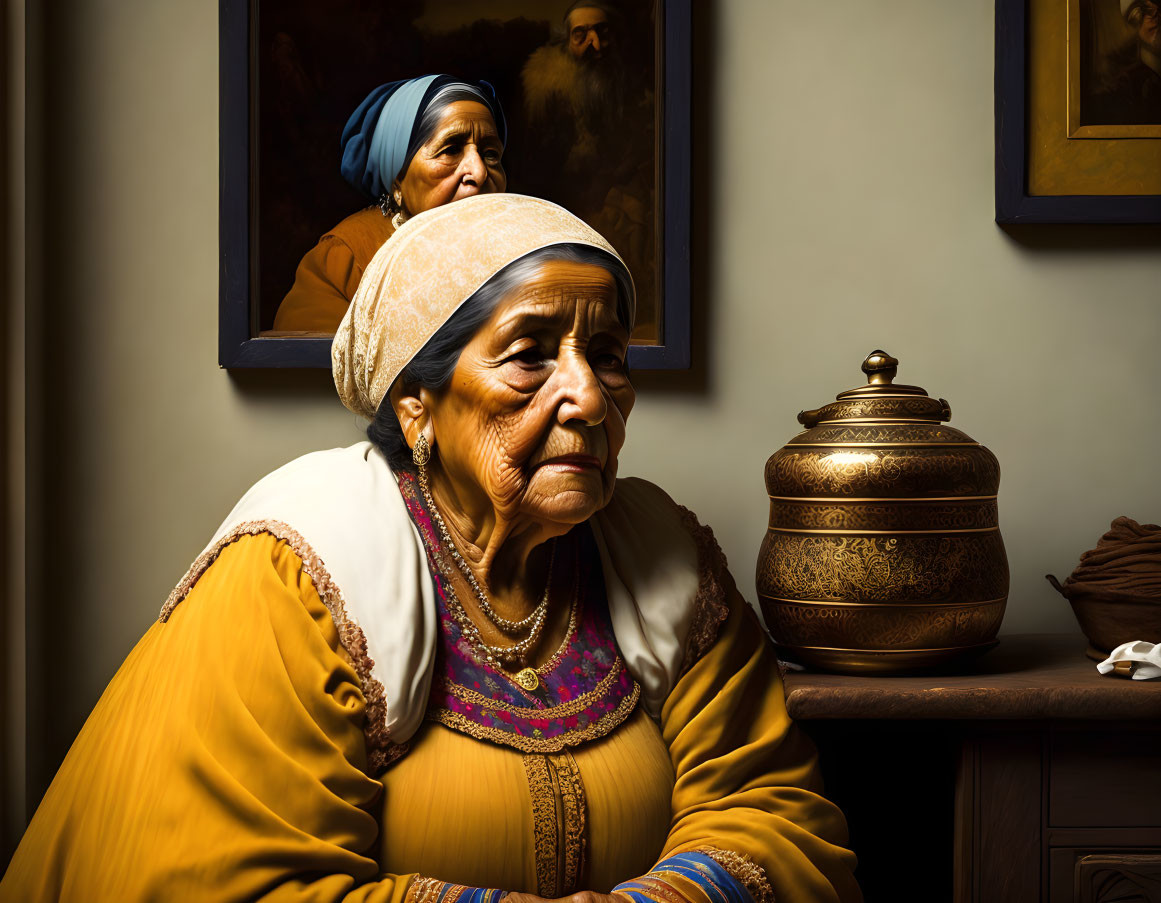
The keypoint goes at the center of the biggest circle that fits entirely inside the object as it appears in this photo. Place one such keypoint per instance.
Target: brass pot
(883, 553)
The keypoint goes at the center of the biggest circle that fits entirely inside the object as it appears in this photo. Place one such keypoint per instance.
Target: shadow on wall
(1071, 238)
(311, 386)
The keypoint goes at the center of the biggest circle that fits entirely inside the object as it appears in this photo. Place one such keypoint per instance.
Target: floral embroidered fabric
(585, 689)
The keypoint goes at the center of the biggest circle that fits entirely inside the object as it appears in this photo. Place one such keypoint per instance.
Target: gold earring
(400, 217)
(421, 454)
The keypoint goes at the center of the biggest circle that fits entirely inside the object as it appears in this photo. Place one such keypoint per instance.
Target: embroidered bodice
(584, 689)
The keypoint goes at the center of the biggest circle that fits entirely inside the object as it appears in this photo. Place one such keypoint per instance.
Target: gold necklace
(515, 654)
(528, 678)
(536, 618)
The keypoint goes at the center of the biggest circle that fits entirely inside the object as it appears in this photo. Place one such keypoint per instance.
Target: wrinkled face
(461, 158)
(588, 32)
(534, 416)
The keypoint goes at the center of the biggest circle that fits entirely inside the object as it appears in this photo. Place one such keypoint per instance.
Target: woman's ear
(412, 405)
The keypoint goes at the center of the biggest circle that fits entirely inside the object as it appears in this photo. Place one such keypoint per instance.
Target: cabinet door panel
(1007, 821)
(1092, 875)
(1098, 780)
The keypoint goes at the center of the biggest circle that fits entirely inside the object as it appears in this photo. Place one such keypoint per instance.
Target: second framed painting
(595, 95)
(1078, 111)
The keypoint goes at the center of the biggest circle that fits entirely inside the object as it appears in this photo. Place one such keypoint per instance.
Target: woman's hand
(584, 896)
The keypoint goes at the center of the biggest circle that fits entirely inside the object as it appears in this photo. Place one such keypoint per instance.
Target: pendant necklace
(529, 678)
(518, 652)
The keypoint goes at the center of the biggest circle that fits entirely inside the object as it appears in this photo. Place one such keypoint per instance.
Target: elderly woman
(459, 660)
(410, 146)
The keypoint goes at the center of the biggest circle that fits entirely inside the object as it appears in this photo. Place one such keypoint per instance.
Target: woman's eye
(492, 156)
(529, 357)
(609, 361)
(451, 149)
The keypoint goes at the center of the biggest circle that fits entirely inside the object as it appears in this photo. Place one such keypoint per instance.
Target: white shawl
(342, 513)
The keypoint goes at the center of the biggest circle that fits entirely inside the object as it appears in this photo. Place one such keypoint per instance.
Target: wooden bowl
(1109, 621)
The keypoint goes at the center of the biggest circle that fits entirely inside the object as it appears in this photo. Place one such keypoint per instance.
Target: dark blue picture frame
(239, 345)
(1013, 203)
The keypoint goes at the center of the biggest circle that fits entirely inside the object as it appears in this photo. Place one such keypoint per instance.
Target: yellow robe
(226, 761)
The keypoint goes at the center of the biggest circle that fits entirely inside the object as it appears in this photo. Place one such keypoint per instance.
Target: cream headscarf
(426, 270)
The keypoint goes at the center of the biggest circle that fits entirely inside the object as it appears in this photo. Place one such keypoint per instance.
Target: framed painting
(1078, 111)
(293, 71)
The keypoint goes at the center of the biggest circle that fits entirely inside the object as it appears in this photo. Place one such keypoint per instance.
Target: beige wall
(844, 203)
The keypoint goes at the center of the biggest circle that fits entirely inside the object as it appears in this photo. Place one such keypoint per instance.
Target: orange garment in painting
(329, 273)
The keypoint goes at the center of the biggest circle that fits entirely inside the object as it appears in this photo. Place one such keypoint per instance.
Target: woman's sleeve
(746, 803)
(324, 284)
(225, 761)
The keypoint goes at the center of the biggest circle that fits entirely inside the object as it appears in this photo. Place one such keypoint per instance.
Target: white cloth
(1146, 655)
(345, 507)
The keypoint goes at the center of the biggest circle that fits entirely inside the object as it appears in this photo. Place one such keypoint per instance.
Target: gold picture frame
(1061, 162)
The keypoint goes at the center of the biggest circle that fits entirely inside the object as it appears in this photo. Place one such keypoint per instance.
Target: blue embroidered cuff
(699, 868)
(432, 890)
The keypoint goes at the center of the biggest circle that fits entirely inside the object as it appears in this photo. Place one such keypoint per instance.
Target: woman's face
(461, 158)
(533, 418)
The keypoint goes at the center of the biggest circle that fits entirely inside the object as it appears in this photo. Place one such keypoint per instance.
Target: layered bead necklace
(516, 654)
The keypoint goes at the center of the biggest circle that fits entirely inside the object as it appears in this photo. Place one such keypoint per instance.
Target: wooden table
(1032, 778)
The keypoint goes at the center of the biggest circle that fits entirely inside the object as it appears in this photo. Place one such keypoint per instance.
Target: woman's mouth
(572, 463)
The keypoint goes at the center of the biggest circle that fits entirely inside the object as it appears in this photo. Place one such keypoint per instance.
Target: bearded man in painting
(579, 97)
(589, 131)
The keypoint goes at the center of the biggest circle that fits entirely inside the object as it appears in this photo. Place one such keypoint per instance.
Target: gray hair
(437, 106)
(433, 365)
(560, 31)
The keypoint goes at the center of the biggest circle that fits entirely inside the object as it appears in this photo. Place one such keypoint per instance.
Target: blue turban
(381, 137)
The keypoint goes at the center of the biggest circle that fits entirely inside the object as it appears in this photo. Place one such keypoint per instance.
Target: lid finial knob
(880, 368)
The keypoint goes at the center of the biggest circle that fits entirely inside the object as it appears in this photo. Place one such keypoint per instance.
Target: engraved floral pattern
(886, 408)
(970, 514)
(882, 626)
(965, 567)
(894, 472)
(934, 433)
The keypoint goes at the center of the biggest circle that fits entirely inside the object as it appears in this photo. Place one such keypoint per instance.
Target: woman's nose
(583, 399)
(472, 169)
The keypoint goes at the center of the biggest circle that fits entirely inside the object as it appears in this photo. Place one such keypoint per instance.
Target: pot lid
(880, 399)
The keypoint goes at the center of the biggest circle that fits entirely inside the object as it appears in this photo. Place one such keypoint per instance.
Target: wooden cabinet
(1032, 780)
